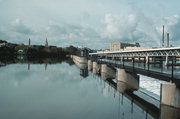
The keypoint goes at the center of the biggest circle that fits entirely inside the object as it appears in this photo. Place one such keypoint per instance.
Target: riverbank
(11, 50)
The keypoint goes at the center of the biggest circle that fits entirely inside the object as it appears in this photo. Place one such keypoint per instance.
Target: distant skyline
(89, 23)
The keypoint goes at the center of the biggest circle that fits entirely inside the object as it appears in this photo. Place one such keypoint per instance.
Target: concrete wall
(90, 65)
(79, 59)
(168, 112)
(96, 67)
(170, 95)
(107, 72)
(122, 87)
(80, 62)
(130, 79)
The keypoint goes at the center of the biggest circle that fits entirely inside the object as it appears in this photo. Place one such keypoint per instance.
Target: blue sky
(91, 23)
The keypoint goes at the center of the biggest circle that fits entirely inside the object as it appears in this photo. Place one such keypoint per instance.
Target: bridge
(165, 58)
(127, 83)
(161, 56)
(144, 53)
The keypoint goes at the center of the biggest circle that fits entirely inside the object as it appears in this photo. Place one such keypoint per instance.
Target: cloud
(172, 25)
(134, 27)
(120, 27)
(19, 27)
(131, 28)
(18, 32)
(3, 35)
(71, 34)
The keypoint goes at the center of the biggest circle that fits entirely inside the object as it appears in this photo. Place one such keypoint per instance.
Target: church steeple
(29, 41)
(46, 44)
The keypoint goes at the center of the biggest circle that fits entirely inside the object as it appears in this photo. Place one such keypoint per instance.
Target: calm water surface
(59, 92)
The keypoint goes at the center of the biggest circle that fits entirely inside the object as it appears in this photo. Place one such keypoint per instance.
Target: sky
(89, 23)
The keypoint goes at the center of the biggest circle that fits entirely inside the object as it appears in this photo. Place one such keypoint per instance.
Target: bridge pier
(121, 59)
(96, 67)
(167, 112)
(90, 64)
(130, 79)
(170, 95)
(166, 60)
(147, 59)
(107, 72)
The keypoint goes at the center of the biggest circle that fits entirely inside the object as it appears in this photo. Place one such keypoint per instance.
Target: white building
(117, 46)
(2, 44)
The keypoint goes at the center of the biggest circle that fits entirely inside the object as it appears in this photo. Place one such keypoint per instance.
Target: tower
(46, 43)
(29, 41)
(163, 37)
(167, 42)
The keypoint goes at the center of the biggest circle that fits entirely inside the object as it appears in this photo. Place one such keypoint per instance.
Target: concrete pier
(80, 62)
(123, 87)
(167, 112)
(147, 59)
(90, 64)
(96, 67)
(166, 61)
(170, 95)
(107, 72)
(130, 79)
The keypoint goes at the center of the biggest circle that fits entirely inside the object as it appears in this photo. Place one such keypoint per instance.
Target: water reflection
(55, 90)
(82, 64)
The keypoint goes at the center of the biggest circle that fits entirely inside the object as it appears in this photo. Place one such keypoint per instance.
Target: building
(46, 43)
(2, 44)
(84, 52)
(116, 46)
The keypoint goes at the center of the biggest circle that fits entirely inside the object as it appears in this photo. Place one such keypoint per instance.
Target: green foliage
(72, 50)
(37, 50)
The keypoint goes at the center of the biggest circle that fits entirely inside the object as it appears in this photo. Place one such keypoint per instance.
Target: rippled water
(150, 84)
(59, 92)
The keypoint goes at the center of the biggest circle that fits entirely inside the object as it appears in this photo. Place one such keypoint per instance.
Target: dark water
(57, 91)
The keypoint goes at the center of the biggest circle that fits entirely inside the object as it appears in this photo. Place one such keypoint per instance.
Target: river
(58, 91)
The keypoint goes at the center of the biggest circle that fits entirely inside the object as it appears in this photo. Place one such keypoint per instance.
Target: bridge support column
(170, 95)
(90, 64)
(129, 79)
(147, 62)
(167, 112)
(96, 67)
(166, 60)
(133, 60)
(107, 72)
(121, 59)
(147, 59)
(104, 68)
(139, 59)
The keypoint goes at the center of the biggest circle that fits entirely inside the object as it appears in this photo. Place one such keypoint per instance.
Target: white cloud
(71, 34)
(19, 27)
(78, 22)
(131, 28)
(172, 26)
(120, 27)
(126, 28)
